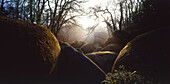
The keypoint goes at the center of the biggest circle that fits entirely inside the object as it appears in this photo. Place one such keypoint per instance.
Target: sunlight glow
(100, 19)
(86, 22)
(102, 24)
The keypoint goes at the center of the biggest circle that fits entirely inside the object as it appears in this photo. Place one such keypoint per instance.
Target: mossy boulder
(77, 44)
(103, 59)
(63, 44)
(112, 48)
(137, 29)
(88, 48)
(148, 54)
(74, 67)
(28, 51)
(119, 37)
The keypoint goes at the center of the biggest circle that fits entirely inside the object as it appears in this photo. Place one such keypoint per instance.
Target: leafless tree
(2, 5)
(62, 13)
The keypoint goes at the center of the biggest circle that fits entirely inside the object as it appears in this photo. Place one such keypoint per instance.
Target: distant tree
(153, 12)
(113, 27)
(17, 9)
(50, 13)
(22, 12)
(108, 19)
(121, 15)
(31, 10)
(10, 9)
(2, 6)
(63, 13)
(40, 9)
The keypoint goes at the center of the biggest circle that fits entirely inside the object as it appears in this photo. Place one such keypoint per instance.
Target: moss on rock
(28, 49)
(77, 44)
(148, 54)
(103, 59)
(112, 48)
(88, 48)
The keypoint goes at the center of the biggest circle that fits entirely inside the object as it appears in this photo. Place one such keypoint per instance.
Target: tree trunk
(2, 5)
(40, 11)
(121, 16)
(17, 6)
(31, 16)
(53, 19)
(114, 26)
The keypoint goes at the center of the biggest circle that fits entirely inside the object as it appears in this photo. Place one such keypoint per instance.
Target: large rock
(100, 37)
(63, 44)
(119, 37)
(103, 59)
(28, 51)
(75, 68)
(112, 48)
(149, 54)
(88, 48)
(77, 44)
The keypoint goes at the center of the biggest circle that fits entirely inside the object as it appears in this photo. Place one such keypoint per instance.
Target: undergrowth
(122, 76)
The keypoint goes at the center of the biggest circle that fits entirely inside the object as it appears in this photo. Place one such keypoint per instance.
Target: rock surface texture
(75, 68)
(28, 51)
(149, 54)
(103, 59)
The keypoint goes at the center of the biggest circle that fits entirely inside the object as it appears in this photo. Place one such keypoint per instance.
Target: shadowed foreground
(28, 51)
(30, 54)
